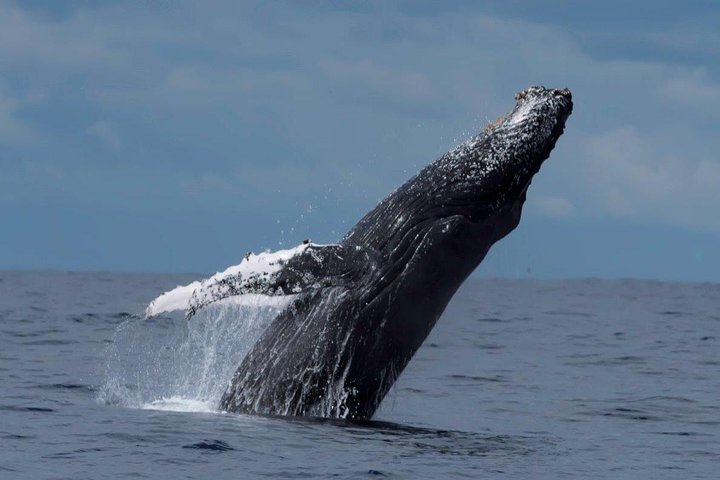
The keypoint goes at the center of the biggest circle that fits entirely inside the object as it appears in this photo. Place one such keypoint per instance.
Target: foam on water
(181, 404)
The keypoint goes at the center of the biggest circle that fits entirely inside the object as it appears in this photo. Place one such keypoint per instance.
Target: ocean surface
(527, 379)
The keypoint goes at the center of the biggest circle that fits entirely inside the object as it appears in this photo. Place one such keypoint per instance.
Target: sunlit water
(520, 379)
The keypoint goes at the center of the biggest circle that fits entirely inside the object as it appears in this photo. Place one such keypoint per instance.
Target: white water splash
(168, 363)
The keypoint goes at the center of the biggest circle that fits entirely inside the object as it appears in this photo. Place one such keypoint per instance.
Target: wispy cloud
(634, 175)
(13, 130)
(695, 40)
(106, 133)
(694, 89)
(552, 206)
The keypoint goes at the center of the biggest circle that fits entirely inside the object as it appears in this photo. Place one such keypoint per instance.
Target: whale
(358, 310)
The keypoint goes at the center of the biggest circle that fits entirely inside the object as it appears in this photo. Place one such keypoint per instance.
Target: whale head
(483, 180)
(494, 169)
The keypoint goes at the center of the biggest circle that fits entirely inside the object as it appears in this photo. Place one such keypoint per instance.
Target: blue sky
(175, 136)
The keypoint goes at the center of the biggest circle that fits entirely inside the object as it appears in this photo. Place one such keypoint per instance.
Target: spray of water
(168, 363)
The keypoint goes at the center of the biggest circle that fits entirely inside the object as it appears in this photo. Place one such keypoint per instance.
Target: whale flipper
(286, 272)
(316, 266)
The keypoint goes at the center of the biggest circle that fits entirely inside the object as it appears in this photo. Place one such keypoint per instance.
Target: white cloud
(552, 206)
(690, 40)
(106, 133)
(28, 40)
(695, 88)
(12, 129)
(635, 175)
(388, 81)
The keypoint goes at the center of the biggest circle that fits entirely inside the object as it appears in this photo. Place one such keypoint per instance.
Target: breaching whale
(361, 308)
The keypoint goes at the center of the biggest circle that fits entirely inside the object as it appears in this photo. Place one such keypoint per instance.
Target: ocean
(521, 378)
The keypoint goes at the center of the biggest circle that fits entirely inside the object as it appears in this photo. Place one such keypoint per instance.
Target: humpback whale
(361, 308)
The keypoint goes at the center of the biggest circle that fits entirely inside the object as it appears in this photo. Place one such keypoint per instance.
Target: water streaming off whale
(172, 364)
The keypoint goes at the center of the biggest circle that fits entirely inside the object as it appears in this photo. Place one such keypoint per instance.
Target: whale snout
(564, 93)
(539, 106)
(563, 96)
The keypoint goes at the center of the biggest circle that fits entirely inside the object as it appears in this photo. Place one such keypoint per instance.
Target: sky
(173, 136)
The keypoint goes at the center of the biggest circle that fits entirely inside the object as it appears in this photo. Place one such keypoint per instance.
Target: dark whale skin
(336, 351)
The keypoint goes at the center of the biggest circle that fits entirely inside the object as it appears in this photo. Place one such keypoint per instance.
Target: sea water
(519, 379)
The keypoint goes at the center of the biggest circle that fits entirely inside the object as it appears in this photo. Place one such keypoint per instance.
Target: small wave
(417, 440)
(73, 454)
(50, 342)
(17, 408)
(476, 378)
(212, 445)
(65, 386)
(15, 436)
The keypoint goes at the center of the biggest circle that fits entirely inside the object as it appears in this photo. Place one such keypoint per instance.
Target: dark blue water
(520, 379)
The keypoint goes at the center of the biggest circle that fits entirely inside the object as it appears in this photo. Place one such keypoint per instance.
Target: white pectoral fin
(180, 297)
(282, 273)
(176, 299)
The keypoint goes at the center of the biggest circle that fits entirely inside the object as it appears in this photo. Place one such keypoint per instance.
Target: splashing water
(168, 363)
